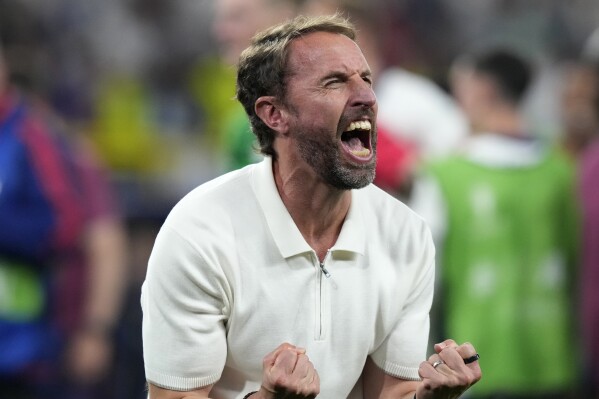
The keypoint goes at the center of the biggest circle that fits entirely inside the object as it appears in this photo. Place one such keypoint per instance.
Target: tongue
(355, 144)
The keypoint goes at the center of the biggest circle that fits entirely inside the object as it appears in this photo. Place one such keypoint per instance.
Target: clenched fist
(445, 374)
(288, 373)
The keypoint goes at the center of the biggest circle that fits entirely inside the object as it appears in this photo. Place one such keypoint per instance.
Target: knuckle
(294, 387)
(455, 381)
(313, 388)
(468, 380)
(303, 358)
(449, 342)
(266, 361)
(316, 384)
(313, 372)
(449, 349)
(280, 381)
(469, 347)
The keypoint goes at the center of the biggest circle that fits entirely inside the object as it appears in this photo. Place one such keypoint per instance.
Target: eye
(334, 79)
(332, 82)
(367, 79)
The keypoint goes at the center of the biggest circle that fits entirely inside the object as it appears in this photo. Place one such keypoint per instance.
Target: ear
(272, 114)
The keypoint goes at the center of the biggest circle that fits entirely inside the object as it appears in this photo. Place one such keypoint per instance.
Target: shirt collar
(284, 231)
(495, 150)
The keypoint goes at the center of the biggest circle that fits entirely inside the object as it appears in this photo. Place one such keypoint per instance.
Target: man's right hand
(288, 373)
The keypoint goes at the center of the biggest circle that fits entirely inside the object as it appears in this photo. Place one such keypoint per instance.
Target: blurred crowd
(488, 127)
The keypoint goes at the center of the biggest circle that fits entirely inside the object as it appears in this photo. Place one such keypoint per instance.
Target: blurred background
(112, 110)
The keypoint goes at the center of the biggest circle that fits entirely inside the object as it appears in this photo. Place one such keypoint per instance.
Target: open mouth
(356, 139)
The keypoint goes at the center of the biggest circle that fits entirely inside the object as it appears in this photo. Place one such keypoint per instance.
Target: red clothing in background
(395, 160)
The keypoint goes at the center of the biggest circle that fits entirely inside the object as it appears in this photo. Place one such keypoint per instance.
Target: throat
(320, 223)
(322, 246)
(317, 209)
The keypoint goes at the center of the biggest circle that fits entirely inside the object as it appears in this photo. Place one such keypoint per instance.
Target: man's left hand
(445, 374)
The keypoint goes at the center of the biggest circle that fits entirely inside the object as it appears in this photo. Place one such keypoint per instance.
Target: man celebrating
(296, 277)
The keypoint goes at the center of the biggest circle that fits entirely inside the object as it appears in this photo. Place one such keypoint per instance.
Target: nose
(362, 94)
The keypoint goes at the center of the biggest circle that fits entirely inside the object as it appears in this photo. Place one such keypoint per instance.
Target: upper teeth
(362, 125)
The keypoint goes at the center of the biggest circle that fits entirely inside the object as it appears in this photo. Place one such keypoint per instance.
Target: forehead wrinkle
(310, 55)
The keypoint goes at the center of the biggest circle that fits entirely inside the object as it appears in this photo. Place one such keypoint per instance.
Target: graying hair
(262, 69)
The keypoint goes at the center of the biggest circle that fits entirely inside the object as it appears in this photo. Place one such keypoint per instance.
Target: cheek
(317, 111)
(320, 117)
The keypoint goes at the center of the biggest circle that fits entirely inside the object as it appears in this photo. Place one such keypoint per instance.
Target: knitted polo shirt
(231, 277)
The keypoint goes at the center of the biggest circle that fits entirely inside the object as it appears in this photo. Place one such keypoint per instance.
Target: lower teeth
(361, 153)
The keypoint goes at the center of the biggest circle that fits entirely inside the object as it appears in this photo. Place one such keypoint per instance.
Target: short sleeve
(405, 347)
(184, 302)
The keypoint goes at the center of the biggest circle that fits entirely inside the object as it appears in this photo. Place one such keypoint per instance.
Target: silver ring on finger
(438, 363)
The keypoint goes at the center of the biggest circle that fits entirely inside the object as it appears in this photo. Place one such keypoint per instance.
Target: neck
(317, 209)
(502, 120)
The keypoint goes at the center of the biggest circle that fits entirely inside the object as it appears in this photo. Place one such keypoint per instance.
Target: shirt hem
(402, 372)
(180, 384)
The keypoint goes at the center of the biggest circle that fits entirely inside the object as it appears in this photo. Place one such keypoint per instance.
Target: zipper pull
(324, 270)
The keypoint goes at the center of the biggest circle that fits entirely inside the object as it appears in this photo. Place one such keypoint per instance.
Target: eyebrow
(344, 75)
(366, 74)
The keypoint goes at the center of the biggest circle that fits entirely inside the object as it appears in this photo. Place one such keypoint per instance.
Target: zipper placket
(322, 296)
(323, 269)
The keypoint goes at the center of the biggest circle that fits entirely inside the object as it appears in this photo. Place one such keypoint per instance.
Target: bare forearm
(106, 256)
(378, 384)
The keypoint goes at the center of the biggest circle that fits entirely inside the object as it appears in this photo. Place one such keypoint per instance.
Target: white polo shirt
(231, 277)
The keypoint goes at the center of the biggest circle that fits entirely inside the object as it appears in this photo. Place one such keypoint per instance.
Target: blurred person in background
(235, 22)
(419, 112)
(579, 106)
(589, 278)
(91, 281)
(504, 220)
(588, 157)
(61, 255)
(413, 107)
(589, 195)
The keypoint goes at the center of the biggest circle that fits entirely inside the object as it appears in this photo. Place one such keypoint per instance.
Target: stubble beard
(323, 154)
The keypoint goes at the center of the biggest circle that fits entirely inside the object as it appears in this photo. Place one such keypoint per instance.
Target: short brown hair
(262, 69)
